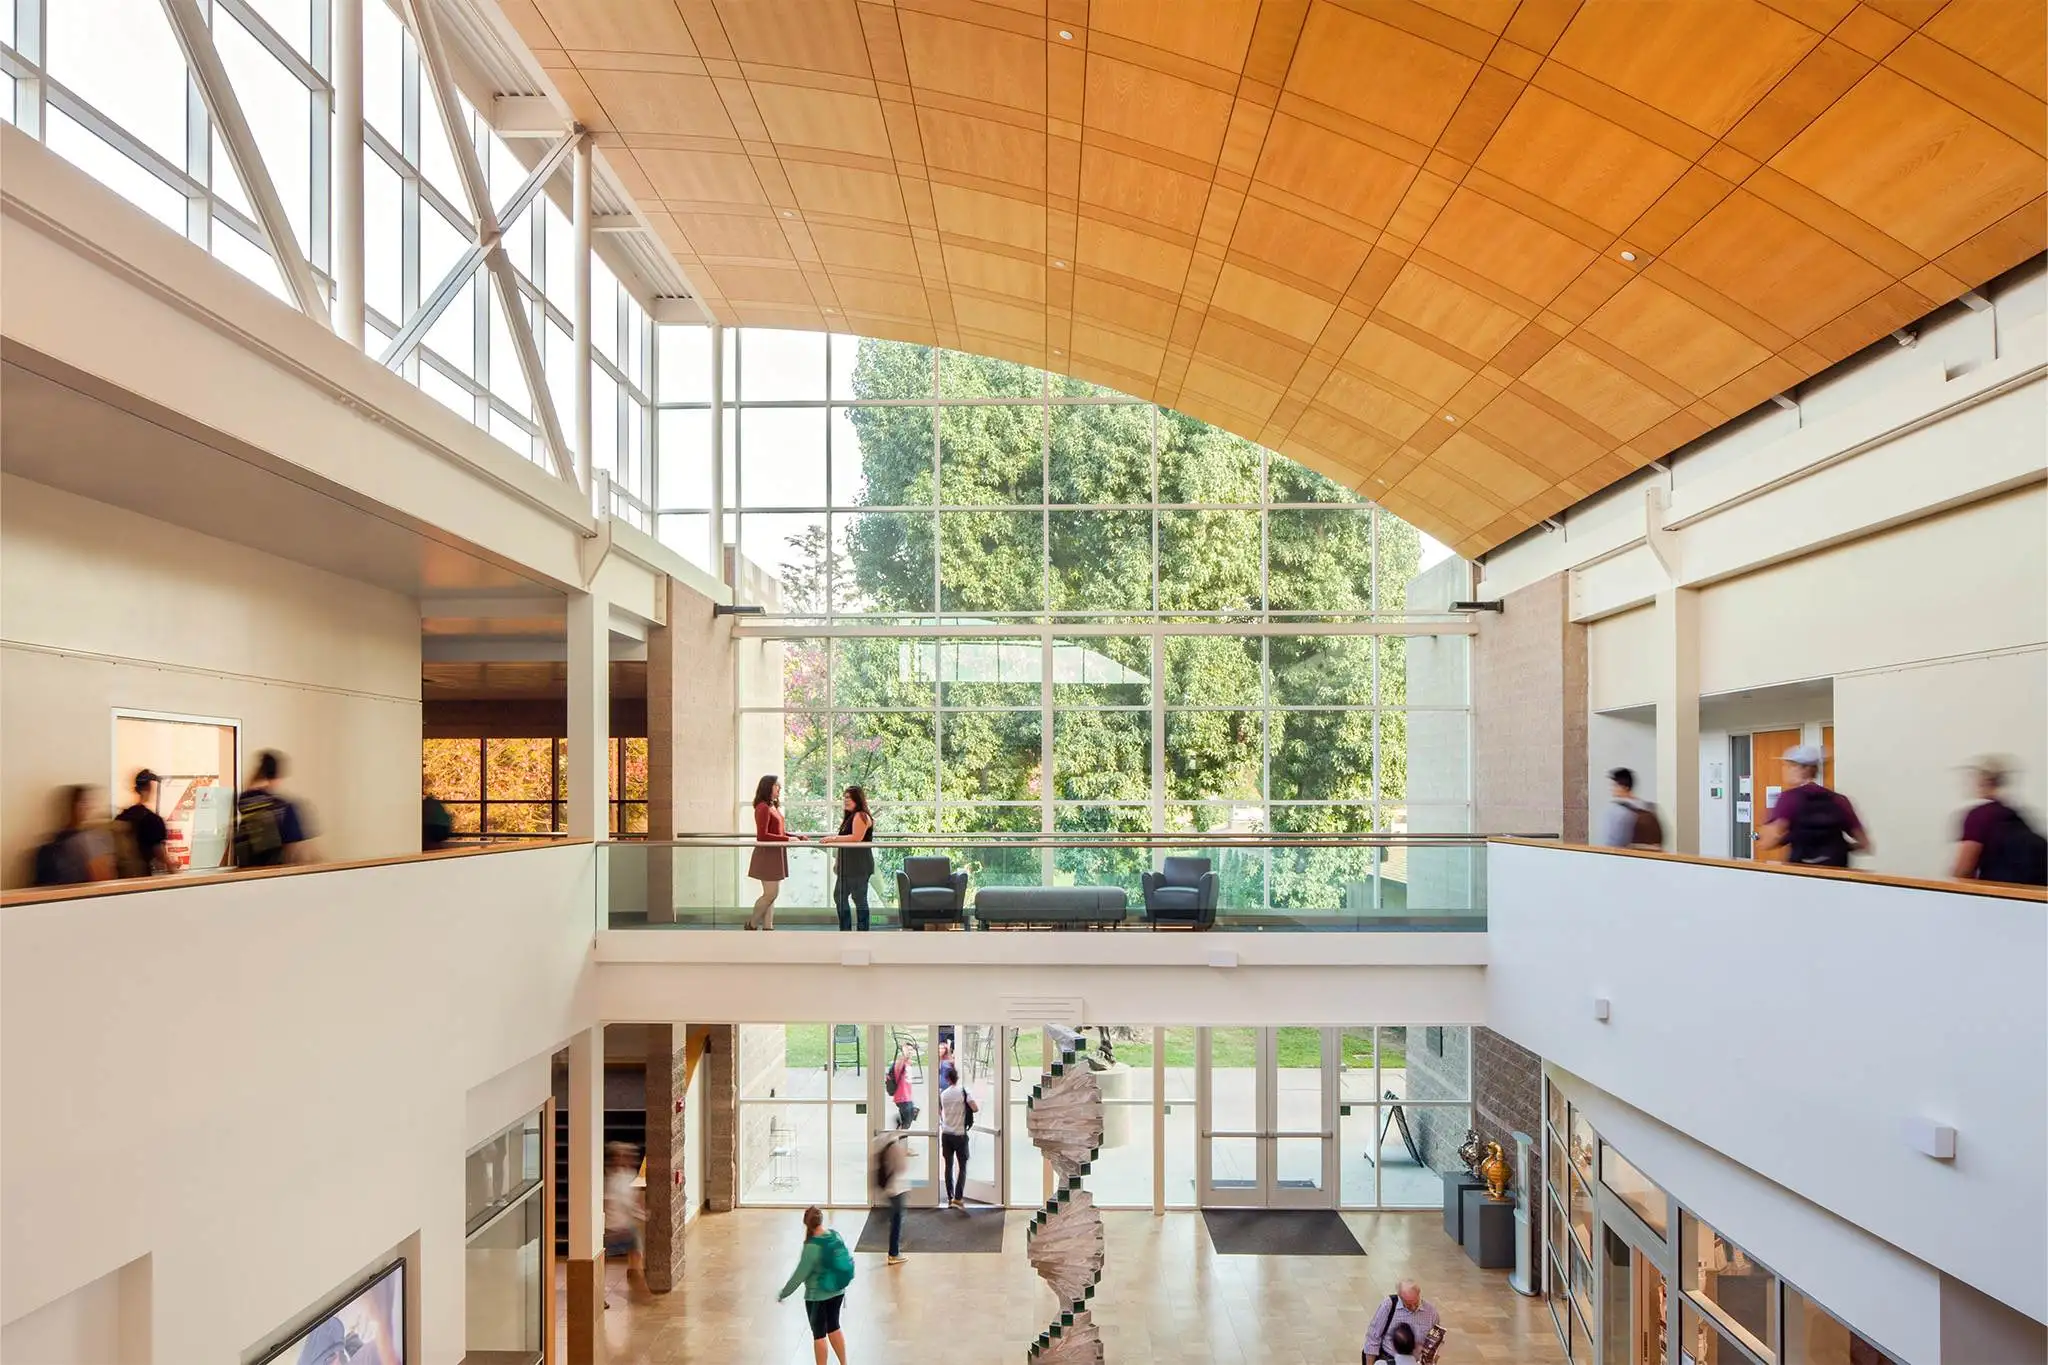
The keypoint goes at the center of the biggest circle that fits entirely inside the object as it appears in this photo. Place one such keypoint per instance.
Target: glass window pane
(1322, 755)
(446, 391)
(1700, 1340)
(1635, 1189)
(1208, 561)
(1199, 463)
(1812, 1337)
(889, 754)
(1722, 1274)
(987, 672)
(978, 376)
(849, 461)
(1101, 561)
(559, 243)
(991, 456)
(508, 380)
(225, 180)
(248, 259)
(442, 245)
(1212, 670)
(83, 149)
(384, 49)
(893, 454)
(1320, 560)
(1439, 1065)
(452, 769)
(604, 420)
(1213, 755)
(689, 535)
(1400, 559)
(1102, 670)
(1322, 670)
(991, 756)
(143, 91)
(1101, 454)
(504, 1285)
(1102, 755)
(683, 364)
(437, 155)
(280, 113)
(782, 457)
(779, 366)
(1287, 481)
(518, 769)
(383, 236)
(509, 433)
(1111, 863)
(781, 673)
(684, 440)
(991, 562)
(863, 367)
(783, 1155)
(604, 309)
(453, 335)
(882, 561)
(787, 551)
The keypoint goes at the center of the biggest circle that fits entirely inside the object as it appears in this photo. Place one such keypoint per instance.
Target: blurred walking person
(823, 1272)
(147, 835)
(768, 866)
(82, 848)
(899, 1088)
(1629, 821)
(625, 1211)
(1997, 844)
(856, 859)
(1815, 826)
(269, 829)
(892, 1180)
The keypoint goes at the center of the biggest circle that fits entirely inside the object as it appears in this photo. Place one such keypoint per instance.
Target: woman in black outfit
(857, 862)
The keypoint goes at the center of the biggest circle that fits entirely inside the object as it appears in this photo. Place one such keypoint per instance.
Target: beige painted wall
(1620, 669)
(101, 608)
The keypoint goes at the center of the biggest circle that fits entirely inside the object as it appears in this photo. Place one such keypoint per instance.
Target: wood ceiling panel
(1329, 224)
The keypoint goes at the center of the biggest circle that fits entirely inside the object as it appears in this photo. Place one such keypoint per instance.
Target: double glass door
(980, 1055)
(1266, 1117)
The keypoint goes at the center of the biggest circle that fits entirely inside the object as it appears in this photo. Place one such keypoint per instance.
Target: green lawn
(805, 1045)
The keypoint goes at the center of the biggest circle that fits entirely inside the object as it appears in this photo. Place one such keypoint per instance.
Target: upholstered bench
(1064, 907)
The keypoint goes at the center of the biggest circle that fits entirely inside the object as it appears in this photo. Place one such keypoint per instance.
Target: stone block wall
(668, 1192)
(763, 1063)
(1438, 1059)
(1529, 715)
(721, 1117)
(1507, 1091)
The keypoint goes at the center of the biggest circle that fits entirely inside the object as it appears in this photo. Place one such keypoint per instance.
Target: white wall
(1794, 1023)
(105, 1322)
(267, 1089)
(101, 608)
(1905, 735)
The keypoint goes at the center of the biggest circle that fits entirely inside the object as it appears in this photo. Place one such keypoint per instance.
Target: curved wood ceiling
(1386, 237)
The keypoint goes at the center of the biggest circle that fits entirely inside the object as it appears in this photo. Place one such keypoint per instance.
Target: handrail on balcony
(2000, 890)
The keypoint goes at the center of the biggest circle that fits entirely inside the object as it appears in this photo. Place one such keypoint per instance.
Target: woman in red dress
(768, 866)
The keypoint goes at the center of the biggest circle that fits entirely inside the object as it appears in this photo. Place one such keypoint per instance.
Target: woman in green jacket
(824, 1271)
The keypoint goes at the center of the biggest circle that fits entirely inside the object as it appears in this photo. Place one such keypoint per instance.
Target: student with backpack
(1815, 826)
(1996, 843)
(268, 829)
(1628, 822)
(956, 1119)
(824, 1271)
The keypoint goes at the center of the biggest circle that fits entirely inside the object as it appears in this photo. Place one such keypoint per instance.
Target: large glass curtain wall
(1003, 600)
(104, 84)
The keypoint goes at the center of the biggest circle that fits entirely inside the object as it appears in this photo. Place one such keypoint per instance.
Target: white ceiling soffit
(491, 60)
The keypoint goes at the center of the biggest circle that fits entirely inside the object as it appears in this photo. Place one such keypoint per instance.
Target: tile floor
(1165, 1296)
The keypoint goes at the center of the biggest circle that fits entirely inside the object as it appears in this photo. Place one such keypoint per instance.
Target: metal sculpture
(1064, 1118)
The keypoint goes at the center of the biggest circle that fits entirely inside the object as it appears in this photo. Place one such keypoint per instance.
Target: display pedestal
(1489, 1226)
(1455, 1185)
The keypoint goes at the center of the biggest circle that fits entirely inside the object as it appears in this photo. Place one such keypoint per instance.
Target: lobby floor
(1165, 1296)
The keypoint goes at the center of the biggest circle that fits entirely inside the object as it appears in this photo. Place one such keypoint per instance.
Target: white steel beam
(226, 111)
(614, 222)
(580, 313)
(347, 154)
(526, 116)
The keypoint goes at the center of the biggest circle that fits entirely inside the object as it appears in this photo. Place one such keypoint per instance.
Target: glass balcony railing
(1292, 882)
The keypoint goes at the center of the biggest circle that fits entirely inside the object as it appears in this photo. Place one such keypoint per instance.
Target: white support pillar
(589, 716)
(1677, 657)
(580, 320)
(718, 490)
(586, 1196)
(347, 162)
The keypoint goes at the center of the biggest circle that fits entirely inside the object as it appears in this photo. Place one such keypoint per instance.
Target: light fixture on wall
(733, 609)
(1494, 606)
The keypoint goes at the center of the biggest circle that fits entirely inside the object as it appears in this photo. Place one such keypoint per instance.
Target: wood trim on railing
(88, 890)
(1996, 890)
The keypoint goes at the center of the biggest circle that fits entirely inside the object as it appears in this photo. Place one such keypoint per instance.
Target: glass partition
(1002, 881)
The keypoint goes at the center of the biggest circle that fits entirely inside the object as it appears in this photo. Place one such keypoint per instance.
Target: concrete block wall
(1507, 1091)
(721, 1117)
(1529, 715)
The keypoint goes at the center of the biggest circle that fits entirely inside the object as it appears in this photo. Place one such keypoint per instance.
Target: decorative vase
(1469, 1151)
(1494, 1171)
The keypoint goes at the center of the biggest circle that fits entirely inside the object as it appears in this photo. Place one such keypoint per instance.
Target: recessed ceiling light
(1057, 351)
(1059, 265)
(1628, 255)
(1066, 35)
(789, 213)
(1450, 417)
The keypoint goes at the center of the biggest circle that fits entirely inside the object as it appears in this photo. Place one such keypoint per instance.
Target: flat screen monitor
(366, 1326)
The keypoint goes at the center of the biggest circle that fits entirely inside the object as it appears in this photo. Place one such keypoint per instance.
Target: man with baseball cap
(1816, 827)
(147, 831)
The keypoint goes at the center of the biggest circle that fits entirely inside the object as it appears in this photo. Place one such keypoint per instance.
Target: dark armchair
(930, 892)
(1183, 893)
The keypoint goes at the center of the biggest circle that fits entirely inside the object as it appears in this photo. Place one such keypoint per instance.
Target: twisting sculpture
(1064, 1118)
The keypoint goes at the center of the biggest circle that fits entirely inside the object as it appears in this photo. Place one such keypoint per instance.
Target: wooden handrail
(42, 895)
(1996, 890)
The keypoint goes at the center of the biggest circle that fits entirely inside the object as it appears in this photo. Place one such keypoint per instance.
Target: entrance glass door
(1266, 1117)
(975, 1052)
(913, 1046)
(978, 1050)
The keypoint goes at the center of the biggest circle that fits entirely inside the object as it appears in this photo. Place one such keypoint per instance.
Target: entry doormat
(929, 1230)
(1276, 1232)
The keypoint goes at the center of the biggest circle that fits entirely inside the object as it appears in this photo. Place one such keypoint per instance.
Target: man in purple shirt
(1996, 843)
(1405, 1304)
(1816, 827)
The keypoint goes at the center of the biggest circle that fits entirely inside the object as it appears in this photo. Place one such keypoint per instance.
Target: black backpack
(1818, 835)
(2016, 854)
